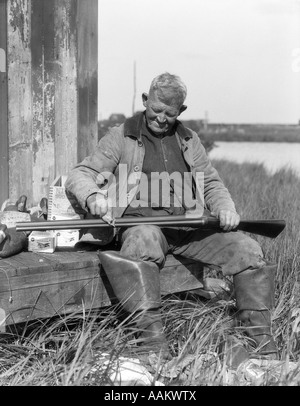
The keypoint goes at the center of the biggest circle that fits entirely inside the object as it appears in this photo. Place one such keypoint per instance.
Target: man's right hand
(99, 205)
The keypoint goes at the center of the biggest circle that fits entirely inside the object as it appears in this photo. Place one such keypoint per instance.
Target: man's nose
(161, 118)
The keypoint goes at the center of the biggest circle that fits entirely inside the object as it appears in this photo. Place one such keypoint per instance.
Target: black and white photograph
(149, 195)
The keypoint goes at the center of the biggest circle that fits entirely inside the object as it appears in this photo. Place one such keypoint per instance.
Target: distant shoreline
(245, 132)
(211, 132)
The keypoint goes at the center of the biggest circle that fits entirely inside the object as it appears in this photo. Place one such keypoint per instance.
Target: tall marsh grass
(61, 352)
(259, 195)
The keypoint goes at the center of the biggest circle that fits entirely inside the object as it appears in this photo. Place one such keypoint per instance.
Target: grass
(62, 351)
(260, 196)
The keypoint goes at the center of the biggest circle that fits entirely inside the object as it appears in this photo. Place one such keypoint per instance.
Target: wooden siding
(52, 91)
(19, 98)
(3, 105)
(87, 80)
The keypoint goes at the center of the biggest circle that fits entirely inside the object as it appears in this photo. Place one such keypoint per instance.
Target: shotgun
(266, 228)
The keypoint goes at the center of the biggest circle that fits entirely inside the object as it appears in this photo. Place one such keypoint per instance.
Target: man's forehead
(166, 96)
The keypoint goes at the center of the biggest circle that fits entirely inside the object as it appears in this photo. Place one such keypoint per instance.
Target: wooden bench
(41, 285)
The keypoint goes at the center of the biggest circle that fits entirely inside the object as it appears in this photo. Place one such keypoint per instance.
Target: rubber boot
(136, 284)
(254, 293)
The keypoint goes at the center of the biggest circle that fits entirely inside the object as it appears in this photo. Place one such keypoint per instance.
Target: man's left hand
(229, 220)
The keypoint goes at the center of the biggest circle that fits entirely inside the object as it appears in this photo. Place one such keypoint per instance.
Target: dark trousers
(232, 252)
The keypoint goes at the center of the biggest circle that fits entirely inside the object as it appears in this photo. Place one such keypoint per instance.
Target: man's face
(161, 111)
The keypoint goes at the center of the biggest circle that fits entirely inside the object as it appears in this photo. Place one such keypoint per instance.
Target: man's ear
(145, 99)
(182, 109)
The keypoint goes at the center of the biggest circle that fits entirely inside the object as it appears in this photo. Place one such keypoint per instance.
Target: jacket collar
(133, 125)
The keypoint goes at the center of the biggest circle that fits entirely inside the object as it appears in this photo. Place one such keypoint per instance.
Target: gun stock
(266, 228)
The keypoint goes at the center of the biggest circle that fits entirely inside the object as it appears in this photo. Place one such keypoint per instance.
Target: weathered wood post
(3, 105)
(52, 91)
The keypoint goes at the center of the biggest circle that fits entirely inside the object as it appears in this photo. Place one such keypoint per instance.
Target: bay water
(273, 155)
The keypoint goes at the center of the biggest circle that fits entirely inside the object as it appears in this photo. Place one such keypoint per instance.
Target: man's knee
(245, 253)
(245, 243)
(144, 242)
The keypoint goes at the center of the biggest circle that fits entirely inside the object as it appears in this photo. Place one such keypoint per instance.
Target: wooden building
(48, 92)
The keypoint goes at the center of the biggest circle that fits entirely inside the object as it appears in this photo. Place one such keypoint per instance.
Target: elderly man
(132, 157)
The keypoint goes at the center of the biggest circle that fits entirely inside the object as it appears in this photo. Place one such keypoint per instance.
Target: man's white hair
(170, 83)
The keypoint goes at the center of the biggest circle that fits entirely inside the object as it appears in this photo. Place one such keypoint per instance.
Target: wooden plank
(66, 101)
(43, 96)
(19, 98)
(46, 279)
(72, 260)
(87, 26)
(29, 263)
(3, 104)
(48, 301)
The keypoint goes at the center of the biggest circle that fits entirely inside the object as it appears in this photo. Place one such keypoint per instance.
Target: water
(273, 155)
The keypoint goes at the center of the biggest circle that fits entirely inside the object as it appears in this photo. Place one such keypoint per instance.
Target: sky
(240, 59)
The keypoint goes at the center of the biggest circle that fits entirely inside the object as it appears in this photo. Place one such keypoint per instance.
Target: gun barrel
(119, 222)
(267, 228)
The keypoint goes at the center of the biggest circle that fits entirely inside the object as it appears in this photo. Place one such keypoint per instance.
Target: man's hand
(229, 220)
(100, 205)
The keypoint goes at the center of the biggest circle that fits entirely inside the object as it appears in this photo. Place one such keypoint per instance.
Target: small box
(42, 241)
(67, 238)
(60, 208)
